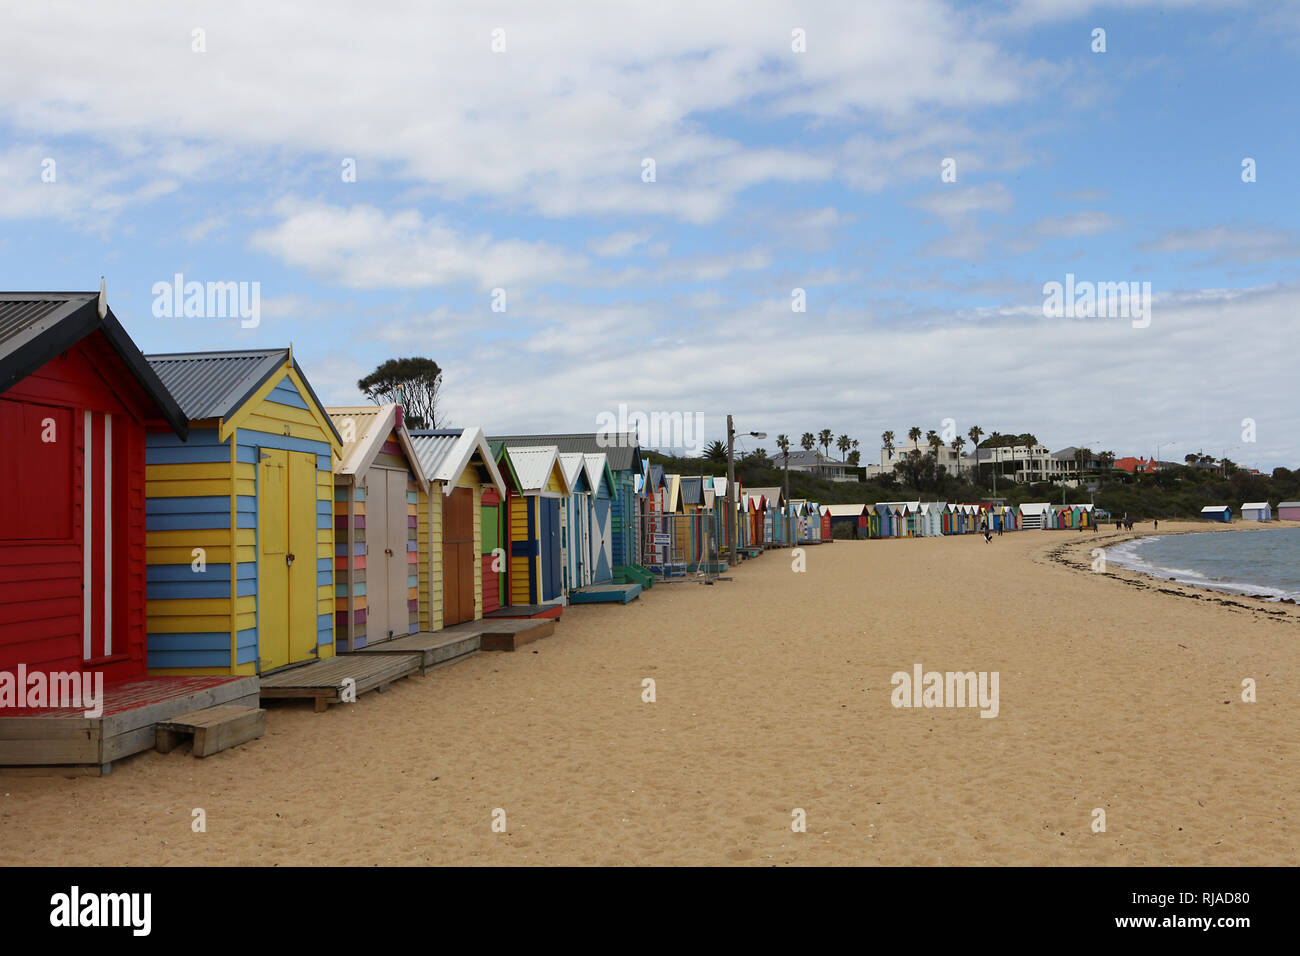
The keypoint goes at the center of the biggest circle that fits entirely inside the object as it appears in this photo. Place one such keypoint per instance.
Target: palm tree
(825, 439)
(914, 433)
(715, 452)
(843, 443)
(975, 434)
(783, 443)
(958, 444)
(887, 442)
(935, 442)
(807, 441)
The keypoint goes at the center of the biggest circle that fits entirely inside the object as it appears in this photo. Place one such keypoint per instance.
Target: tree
(914, 435)
(935, 442)
(843, 443)
(783, 443)
(887, 442)
(855, 457)
(715, 452)
(807, 441)
(974, 435)
(414, 383)
(824, 439)
(958, 444)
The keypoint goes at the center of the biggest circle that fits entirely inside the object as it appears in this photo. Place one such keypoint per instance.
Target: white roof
(1216, 508)
(1255, 505)
(445, 453)
(368, 426)
(573, 464)
(1034, 509)
(842, 511)
(533, 464)
(595, 462)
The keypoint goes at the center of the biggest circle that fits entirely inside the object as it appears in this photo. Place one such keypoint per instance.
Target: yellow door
(302, 621)
(272, 558)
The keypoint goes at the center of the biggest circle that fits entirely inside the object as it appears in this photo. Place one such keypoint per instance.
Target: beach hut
(846, 516)
(76, 401)
(825, 519)
(1256, 511)
(1217, 513)
(575, 521)
(459, 466)
(604, 490)
(378, 483)
(1288, 511)
(622, 452)
(1035, 517)
(240, 529)
(536, 559)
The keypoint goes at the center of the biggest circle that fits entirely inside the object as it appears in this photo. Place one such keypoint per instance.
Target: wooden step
(214, 729)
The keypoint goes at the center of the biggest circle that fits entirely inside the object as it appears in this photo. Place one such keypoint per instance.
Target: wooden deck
(66, 741)
(324, 682)
(600, 593)
(436, 648)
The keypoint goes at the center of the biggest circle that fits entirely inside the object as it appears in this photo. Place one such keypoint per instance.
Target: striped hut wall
(424, 534)
(435, 562)
(349, 567)
(413, 552)
(200, 553)
(522, 570)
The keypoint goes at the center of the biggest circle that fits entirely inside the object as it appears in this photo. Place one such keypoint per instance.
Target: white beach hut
(1256, 511)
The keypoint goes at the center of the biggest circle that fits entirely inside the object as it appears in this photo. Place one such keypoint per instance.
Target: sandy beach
(773, 693)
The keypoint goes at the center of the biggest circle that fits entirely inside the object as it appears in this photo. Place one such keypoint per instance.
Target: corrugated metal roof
(1284, 504)
(844, 511)
(573, 464)
(37, 326)
(445, 453)
(622, 449)
(1222, 508)
(597, 464)
(361, 423)
(692, 491)
(25, 315)
(1254, 504)
(215, 384)
(533, 464)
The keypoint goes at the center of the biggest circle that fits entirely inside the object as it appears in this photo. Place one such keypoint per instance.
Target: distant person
(988, 536)
(1000, 524)
(1156, 522)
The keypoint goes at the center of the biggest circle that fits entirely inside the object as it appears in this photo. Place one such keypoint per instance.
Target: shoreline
(1076, 554)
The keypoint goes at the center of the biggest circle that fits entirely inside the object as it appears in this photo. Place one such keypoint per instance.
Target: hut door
(377, 564)
(550, 547)
(272, 567)
(458, 557)
(304, 625)
(395, 555)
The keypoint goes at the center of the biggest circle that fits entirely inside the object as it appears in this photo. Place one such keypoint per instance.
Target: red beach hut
(76, 398)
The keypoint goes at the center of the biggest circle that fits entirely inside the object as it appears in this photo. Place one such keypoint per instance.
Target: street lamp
(733, 516)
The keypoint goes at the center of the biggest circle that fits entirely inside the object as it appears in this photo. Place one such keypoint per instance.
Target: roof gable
(35, 327)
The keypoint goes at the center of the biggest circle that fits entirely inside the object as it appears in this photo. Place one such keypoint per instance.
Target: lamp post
(733, 509)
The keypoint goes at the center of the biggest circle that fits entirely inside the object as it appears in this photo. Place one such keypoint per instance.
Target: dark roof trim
(68, 326)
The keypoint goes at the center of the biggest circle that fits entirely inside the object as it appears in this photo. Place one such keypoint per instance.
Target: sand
(773, 693)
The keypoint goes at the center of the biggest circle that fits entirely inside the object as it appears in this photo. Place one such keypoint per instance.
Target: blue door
(550, 545)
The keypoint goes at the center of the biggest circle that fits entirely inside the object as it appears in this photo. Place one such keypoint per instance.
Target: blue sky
(521, 170)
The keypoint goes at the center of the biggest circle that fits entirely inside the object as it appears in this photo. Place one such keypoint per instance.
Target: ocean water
(1240, 562)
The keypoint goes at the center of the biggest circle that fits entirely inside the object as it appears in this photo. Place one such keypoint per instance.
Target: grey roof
(37, 326)
(622, 449)
(445, 453)
(692, 491)
(801, 457)
(1288, 504)
(215, 384)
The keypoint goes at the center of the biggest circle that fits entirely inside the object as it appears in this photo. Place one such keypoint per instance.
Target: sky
(921, 170)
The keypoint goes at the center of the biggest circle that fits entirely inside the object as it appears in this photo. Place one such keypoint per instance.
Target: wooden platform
(61, 740)
(506, 635)
(436, 648)
(527, 612)
(601, 593)
(324, 682)
(213, 729)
